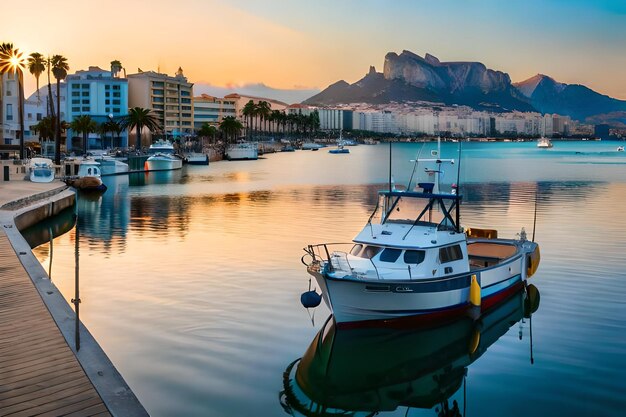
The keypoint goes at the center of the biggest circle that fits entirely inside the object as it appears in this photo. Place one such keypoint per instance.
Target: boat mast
(389, 165)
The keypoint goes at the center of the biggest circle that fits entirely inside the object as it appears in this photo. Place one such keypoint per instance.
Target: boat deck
(39, 374)
(486, 254)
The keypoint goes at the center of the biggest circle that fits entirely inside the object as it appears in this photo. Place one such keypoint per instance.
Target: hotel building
(211, 110)
(170, 98)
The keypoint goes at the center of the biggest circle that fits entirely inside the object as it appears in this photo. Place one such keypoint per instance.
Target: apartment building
(209, 109)
(170, 98)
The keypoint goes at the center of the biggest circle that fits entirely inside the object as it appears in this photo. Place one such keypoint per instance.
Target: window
(185, 100)
(414, 256)
(85, 108)
(107, 87)
(75, 86)
(116, 87)
(116, 94)
(86, 101)
(356, 249)
(75, 93)
(107, 94)
(30, 116)
(185, 107)
(107, 110)
(116, 102)
(85, 93)
(370, 251)
(85, 86)
(157, 92)
(107, 101)
(39, 116)
(450, 254)
(116, 110)
(9, 111)
(390, 255)
(76, 101)
(75, 109)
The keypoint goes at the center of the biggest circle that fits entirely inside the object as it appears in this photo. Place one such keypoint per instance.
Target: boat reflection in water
(361, 372)
(155, 177)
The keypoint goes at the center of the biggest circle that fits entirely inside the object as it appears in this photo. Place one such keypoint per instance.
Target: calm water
(191, 280)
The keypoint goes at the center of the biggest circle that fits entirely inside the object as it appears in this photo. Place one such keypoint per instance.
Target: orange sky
(293, 44)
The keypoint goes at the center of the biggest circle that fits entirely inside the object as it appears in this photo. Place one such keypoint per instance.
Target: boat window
(390, 255)
(414, 256)
(356, 249)
(450, 253)
(89, 171)
(370, 251)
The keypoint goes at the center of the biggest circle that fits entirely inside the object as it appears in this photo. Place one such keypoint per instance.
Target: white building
(102, 96)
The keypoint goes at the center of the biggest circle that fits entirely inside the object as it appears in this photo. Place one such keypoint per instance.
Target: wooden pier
(39, 373)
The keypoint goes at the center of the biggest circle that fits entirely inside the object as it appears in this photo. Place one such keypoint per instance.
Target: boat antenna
(458, 169)
(389, 164)
(535, 216)
(408, 187)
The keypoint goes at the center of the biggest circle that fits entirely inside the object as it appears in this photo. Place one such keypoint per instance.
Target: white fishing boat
(620, 149)
(162, 157)
(544, 143)
(242, 151)
(41, 170)
(111, 166)
(414, 260)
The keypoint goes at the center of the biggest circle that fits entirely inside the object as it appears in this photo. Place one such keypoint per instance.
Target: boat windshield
(437, 210)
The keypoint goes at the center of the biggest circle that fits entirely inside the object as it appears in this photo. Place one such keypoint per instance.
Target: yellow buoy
(532, 262)
(474, 292)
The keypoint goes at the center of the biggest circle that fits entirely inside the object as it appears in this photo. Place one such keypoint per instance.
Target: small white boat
(544, 143)
(339, 149)
(41, 170)
(242, 151)
(162, 157)
(111, 166)
(414, 260)
(196, 158)
(89, 177)
(620, 149)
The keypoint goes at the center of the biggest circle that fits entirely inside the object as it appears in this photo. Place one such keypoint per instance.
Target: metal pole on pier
(76, 299)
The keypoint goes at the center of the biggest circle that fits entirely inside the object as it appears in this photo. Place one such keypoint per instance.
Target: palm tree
(111, 126)
(60, 68)
(45, 128)
(36, 66)
(230, 127)
(264, 110)
(12, 61)
(248, 111)
(50, 99)
(137, 119)
(116, 66)
(84, 125)
(208, 131)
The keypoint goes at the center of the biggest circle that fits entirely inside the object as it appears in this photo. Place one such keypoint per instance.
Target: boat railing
(338, 261)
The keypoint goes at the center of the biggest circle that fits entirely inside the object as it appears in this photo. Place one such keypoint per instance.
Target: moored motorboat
(196, 158)
(620, 149)
(111, 166)
(41, 170)
(311, 146)
(339, 149)
(162, 157)
(89, 177)
(414, 260)
(544, 143)
(242, 151)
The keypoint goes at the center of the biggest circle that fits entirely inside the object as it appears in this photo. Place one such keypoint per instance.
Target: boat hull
(198, 160)
(242, 153)
(356, 302)
(163, 164)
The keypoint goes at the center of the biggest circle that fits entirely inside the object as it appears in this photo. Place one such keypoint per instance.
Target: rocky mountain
(409, 77)
(574, 100)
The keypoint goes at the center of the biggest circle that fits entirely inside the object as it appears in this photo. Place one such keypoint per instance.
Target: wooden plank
(39, 374)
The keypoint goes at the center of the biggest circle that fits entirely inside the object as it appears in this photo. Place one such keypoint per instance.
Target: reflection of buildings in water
(161, 215)
(366, 371)
(104, 218)
(155, 177)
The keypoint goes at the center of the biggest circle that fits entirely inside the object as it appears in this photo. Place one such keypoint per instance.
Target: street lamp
(111, 125)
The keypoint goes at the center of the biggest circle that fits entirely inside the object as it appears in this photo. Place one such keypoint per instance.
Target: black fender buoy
(310, 299)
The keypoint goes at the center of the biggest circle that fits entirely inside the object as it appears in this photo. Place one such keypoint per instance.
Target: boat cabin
(89, 168)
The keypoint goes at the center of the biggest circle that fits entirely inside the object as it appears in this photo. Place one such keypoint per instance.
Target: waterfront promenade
(41, 372)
